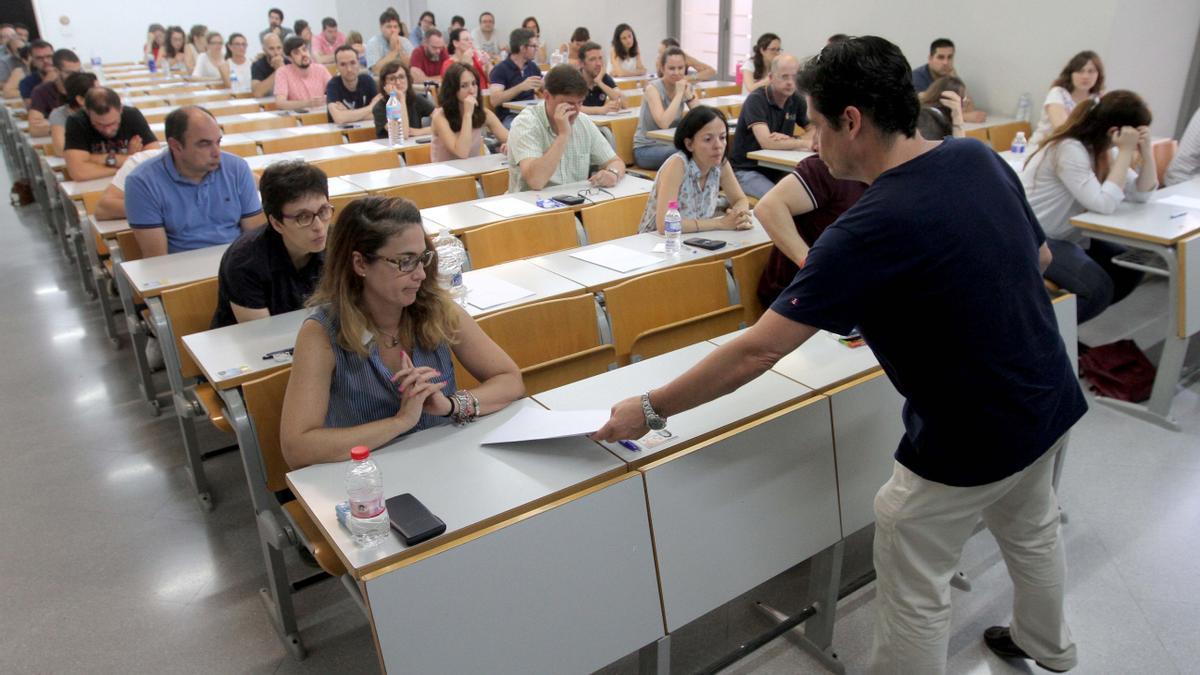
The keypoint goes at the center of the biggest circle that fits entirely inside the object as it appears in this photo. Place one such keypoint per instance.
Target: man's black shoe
(999, 640)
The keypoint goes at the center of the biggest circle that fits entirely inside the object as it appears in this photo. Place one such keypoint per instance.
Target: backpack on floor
(1118, 370)
(21, 193)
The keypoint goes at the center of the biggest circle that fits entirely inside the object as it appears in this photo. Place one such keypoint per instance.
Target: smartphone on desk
(568, 200)
(411, 520)
(708, 244)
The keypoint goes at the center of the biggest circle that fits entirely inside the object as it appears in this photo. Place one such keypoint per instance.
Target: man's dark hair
(284, 182)
(100, 100)
(292, 44)
(691, 124)
(432, 32)
(670, 42)
(176, 124)
(432, 18)
(939, 44)
(78, 84)
(39, 44)
(868, 73)
(389, 15)
(587, 47)
(299, 26)
(565, 80)
(456, 19)
(581, 34)
(64, 56)
(518, 39)
(455, 34)
(276, 10)
(486, 14)
(344, 48)
(328, 22)
(17, 25)
(155, 27)
(837, 37)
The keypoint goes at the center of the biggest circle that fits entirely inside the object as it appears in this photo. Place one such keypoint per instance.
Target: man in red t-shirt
(427, 59)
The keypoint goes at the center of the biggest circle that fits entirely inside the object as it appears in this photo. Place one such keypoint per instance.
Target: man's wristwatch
(655, 421)
(613, 172)
(111, 160)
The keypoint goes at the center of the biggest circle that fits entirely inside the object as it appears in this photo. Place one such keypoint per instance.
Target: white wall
(1146, 44)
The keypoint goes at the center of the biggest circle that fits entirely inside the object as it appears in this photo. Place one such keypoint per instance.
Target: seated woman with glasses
(273, 269)
(373, 361)
(458, 124)
(394, 78)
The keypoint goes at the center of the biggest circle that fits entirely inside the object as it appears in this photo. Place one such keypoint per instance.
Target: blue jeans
(753, 183)
(1090, 275)
(653, 156)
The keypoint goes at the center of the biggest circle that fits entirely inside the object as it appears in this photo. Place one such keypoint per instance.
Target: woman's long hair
(170, 46)
(760, 62)
(448, 98)
(619, 47)
(1090, 122)
(1075, 65)
(365, 226)
(932, 96)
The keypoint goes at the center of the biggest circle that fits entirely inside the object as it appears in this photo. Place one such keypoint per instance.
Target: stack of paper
(617, 258)
(437, 170)
(508, 207)
(1185, 202)
(486, 292)
(532, 424)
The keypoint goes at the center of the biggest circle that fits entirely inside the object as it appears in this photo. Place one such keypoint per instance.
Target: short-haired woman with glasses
(273, 269)
(373, 361)
(459, 121)
(394, 78)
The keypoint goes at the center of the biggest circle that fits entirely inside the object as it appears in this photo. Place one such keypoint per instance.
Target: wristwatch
(111, 160)
(655, 421)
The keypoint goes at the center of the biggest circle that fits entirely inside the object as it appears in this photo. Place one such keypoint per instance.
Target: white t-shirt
(243, 75)
(1057, 95)
(205, 67)
(131, 163)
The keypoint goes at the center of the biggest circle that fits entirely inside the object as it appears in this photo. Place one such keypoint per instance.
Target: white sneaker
(154, 354)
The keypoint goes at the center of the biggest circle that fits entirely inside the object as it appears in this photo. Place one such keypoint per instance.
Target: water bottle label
(367, 509)
(456, 280)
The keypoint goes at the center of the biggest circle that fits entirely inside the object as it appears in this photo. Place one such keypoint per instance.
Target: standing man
(99, 138)
(325, 44)
(52, 93)
(350, 96)
(300, 84)
(262, 71)
(516, 78)
(486, 39)
(275, 25)
(603, 94)
(768, 119)
(193, 195)
(429, 57)
(41, 60)
(389, 45)
(553, 144)
(985, 414)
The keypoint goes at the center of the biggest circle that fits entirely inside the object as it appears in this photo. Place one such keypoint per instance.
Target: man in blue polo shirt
(516, 78)
(193, 195)
(941, 243)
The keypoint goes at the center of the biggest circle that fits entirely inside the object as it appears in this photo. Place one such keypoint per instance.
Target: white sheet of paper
(366, 147)
(1178, 200)
(617, 258)
(486, 292)
(437, 170)
(532, 424)
(660, 247)
(509, 207)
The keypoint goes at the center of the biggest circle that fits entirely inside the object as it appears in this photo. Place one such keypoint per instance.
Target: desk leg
(137, 335)
(655, 658)
(824, 583)
(184, 411)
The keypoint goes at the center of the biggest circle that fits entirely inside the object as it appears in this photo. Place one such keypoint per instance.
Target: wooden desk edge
(1126, 234)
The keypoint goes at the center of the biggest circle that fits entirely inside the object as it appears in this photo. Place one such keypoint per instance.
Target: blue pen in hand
(630, 445)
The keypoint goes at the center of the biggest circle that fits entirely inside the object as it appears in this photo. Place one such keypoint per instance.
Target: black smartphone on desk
(568, 200)
(701, 242)
(412, 520)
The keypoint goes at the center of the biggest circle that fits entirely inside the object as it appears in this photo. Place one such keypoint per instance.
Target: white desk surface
(668, 135)
(1152, 222)
(55, 162)
(608, 118)
(39, 141)
(822, 362)
(152, 276)
(107, 229)
(213, 107)
(145, 101)
(75, 189)
(467, 485)
(340, 187)
(231, 355)
(991, 121)
(595, 277)
(721, 101)
(763, 394)
(382, 179)
(259, 162)
(306, 130)
(781, 159)
(544, 284)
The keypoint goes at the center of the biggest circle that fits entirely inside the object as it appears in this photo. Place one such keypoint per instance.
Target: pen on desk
(270, 355)
(1178, 215)
(629, 445)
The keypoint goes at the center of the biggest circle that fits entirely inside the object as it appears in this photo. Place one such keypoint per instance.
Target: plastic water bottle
(451, 259)
(556, 58)
(672, 228)
(1018, 145)
(1024, 108)
(152, 64)
(395, 121)
(364, 486)
(233, 78)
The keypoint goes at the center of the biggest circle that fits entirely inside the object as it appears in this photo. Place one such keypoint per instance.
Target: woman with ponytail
(1086, 165)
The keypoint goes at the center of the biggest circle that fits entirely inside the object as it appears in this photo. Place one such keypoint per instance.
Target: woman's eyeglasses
(306, 218)
(407, 263)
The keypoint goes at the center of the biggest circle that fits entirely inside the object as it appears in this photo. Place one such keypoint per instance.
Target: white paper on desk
(509, 207)
(532, 424)
(617, 258)
(437, 170)
(1177, 200)
(365, 147)
(486, 292)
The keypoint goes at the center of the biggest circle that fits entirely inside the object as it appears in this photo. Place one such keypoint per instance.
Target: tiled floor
(108, 565)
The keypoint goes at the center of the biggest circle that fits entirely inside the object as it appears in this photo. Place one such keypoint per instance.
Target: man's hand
(316, 102)
(561, 121)
(135, 145)
(951, 100)
(394, 42)
(612, 105)
(604, 178)
(781, 137)
(627, 422)
(276, 62)
(533, 83)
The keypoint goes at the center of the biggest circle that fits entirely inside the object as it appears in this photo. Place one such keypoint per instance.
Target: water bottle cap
(359, 452)
(672, 204)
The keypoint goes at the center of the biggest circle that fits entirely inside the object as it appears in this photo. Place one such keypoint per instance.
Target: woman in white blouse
(210, 64)
(1086, 166)
(237, 62)
(1082, 78)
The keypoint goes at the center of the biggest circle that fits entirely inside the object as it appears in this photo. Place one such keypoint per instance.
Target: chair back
(979, 134)
(613, 219)
(494, 182)
(1001, 136)
(313, 117)
(190, 310)
(623, 130)
(422, 154)
(684, 304)
(264, 405)
(747, 270)
(719, 90)
(437, 192)
(520, 238)
(301, 142)
(128, 243)
(342, 201)
(361, 134)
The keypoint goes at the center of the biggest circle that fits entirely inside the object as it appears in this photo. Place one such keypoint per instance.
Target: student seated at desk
(625, 56)
(768, 121)
(933, 96)
(193, 195)
(664, 103)
(462, 51)
(301, 83)
(941, 119)
(603, 95)
(516, 78)
(52, 93)
(273, 269)
(1081, 78)
(551, 143)
(697, 69)
(941, 64)
(77, 85)
(373, 362)
(351, 96)
(1075, 171)
(1186, 164)
(460, 118)
(695, 176)
(571, 48)
(173, 58)
(100, 137)
(756, 70)
(394, 79)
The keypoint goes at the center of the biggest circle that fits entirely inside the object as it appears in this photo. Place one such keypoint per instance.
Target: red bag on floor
(1118, 370)
(21, 193)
